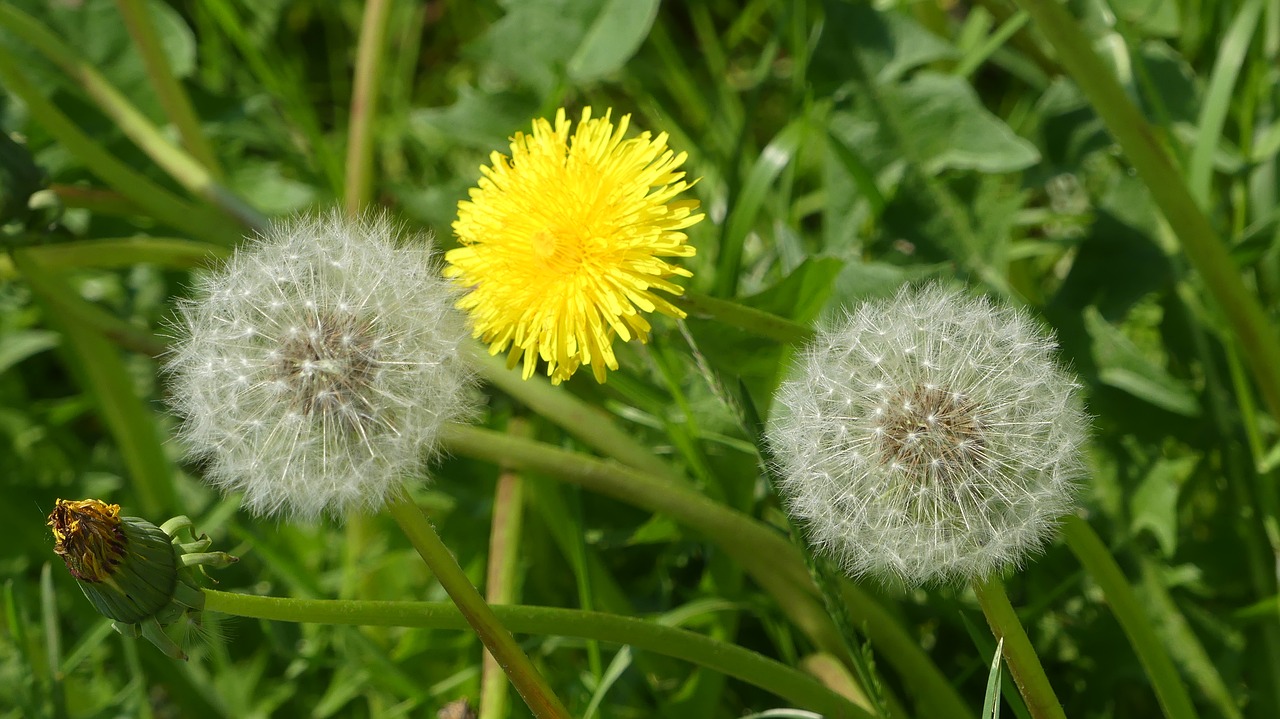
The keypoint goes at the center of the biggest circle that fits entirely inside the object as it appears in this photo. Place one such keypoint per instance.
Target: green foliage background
(843, 148)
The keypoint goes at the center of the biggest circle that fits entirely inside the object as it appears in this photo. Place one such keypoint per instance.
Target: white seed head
(929, 437)
(315, 369)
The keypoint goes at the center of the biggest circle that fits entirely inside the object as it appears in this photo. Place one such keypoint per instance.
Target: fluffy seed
(316, 368)
(929, 437)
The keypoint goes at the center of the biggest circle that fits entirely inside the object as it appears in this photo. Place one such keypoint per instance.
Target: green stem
(134, 186)
(174, 100)
(524, 677)
(644, 634)
(171, 158)
(364, 104)
(743, 317)
(590, 425)
(1097, 560)
(1257, 336)
(772, 561)
(1018, 652)
(503, 572)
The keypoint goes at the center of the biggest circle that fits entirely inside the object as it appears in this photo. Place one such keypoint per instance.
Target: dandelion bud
(928, 437)
(131, 570)
(317, 367)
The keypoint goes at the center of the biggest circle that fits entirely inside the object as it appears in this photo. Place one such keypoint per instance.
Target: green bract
(132, 571)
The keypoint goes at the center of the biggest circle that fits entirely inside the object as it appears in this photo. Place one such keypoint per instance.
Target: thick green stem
(1023, 661)
(1207, 253)
(1097, 560)
(772, 561)
(524, 676)
(750, 667)
(174, 100)
(588, 424)
(364, 104)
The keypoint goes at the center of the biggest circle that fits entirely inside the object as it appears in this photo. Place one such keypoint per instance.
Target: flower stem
(1135, 136)
(735, 661)
(588, 424)
(743, 317)
(1018, 652)
(528, 682)
(1095, 557)
(501, 578)
(772, 561)
(172, 97)
(364, 103)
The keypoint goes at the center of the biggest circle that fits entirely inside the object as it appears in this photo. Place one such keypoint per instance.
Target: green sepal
(145, 579)
(154, 633)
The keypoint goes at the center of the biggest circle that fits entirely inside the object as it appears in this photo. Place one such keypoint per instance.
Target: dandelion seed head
(565, 243)
(929, 437)
(314, 371)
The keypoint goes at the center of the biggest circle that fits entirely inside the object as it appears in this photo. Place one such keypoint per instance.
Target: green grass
(1113, 169)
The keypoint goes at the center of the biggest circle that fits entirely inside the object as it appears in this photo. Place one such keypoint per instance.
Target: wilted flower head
(928, 437)
(316, 368)
(132, 571)
(562, 243)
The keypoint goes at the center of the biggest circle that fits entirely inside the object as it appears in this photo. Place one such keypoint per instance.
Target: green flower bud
(131, 570)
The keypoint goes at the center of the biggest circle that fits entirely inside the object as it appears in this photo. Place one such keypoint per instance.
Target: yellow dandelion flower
(563, 243)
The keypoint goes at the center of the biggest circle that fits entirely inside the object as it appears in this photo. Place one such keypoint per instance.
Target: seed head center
(934, 435)
(328, 365)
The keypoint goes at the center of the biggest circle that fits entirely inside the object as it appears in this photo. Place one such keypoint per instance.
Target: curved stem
(750, 667)
(1206, 251)
(1023, 662)
(364, 103)
(524, 677)
(588, 424)
(772, 561)
(1097, 560)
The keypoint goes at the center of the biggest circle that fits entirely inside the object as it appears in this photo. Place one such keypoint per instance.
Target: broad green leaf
(477, 119)
(272, 191)
(612, 38)
(892, 42)
(1122, 365)
(543, 41)
(18, 346)
(1154, 17)
(953, 131)
(1154, 506)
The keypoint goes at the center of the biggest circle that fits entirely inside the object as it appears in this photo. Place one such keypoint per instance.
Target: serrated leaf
(543, 41)
(1123, 366)
(953, 131)
(892, 42)
(1154, 506)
